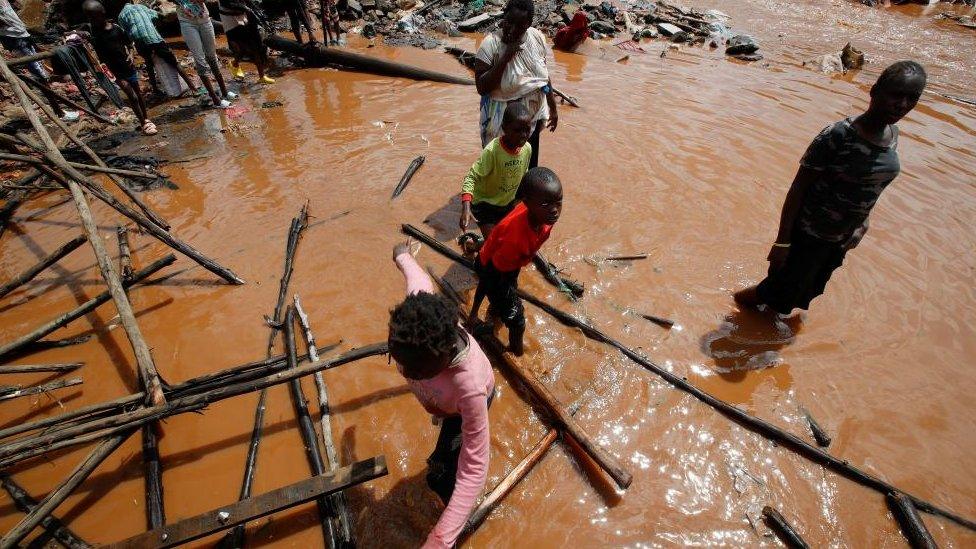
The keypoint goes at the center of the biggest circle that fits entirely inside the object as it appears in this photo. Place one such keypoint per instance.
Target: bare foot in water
(747, 298)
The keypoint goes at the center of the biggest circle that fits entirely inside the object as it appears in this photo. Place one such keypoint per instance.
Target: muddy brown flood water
(686, 158)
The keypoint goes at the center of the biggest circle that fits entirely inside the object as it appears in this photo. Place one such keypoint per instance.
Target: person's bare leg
(209, 87)
(295, 28)
(135, 100)
(306, 20)
(151, 72)
(215, 70)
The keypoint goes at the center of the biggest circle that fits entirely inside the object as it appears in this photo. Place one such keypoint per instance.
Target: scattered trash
(271, 104)
(237, 111)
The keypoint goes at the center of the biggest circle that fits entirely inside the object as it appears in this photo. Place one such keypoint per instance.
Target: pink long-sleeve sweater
(461, 389)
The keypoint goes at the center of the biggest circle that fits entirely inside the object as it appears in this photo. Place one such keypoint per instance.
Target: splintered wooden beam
(256, 507)
(34, 368)
(19, 392)
(911, 524)
(783, 529)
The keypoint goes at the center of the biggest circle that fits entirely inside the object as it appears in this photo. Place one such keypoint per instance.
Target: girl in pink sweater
(452, 378)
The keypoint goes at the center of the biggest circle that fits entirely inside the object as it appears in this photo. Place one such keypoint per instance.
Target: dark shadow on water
(749, 340)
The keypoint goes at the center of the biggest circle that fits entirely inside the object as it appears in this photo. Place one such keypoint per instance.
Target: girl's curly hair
(424, 325)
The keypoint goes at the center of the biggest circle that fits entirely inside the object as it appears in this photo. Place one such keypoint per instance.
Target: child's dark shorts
(443, 461)
(124, 71)
(490, 214)
(502, 292)
(808, 267)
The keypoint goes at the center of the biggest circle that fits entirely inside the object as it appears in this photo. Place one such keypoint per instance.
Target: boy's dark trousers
(443, 461)
(501, 289)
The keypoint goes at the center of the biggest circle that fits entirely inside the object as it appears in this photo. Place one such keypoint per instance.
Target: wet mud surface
(685, 158)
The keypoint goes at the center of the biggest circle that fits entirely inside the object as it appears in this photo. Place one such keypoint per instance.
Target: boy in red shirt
(511, 245)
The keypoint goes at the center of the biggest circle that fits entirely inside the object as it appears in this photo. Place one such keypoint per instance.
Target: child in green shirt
(488, 191)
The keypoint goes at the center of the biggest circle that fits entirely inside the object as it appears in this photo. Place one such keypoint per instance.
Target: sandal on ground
(222, 104)
(149, 128)
(230, 96)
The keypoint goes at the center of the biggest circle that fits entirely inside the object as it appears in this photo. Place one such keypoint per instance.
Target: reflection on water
(687, 158)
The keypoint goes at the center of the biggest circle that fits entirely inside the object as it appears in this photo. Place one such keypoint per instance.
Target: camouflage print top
(853, 172)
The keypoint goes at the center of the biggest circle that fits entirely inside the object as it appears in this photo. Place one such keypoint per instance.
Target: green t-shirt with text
(495, 176)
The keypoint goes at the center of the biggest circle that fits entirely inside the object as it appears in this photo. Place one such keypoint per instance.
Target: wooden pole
(92, 155)
(911, 524)
(256, 507)
(408, 175)
(31, 58)
(322, 55)
(81, 310)
(759, 426)
(125, 253)
(19, 392)
(307, 430)
(235, 538)
(505, 486)
(25, 503)
(147, 368)
(34, 368)
(83, 433)
(50, 259)
(557, 414)
(55, 498)
(339, 502)
(150, 227)
(118, 171)
(153, 477)
(786, 533)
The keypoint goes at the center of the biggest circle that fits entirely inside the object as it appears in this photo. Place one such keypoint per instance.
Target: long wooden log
(408, 175)
(20, 392)
(322, 55)
(786, 533)
(55, 498)
(118, 171)
(156, 218)
(309, 439)
(256, 507)
(557, 413)
(507, 484)
(34, 368)
(83, 433)
(206, 382)
(40, 56)
(753, 423)
(153, 476)
(25, 504)
(338, 500)
(146, 367)
(81, 310)
(50, 259)
(911, 524)
(150, 227)
(235, 538)
(47, 90)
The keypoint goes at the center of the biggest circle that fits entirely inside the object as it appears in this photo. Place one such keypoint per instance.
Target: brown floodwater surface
(686, 158)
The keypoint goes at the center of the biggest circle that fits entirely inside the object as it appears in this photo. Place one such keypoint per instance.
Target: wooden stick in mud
(911, 524)
(150, 227)
(338, 500)
(18, 392)
(819, 434)
(146, 367)
(34, 368)
(235, 538)
(569, 99)
(626, 257)
(322, 55)
(307, 430)
(81, 310)
(59, 494)
(84, 433)
(153, 475)
(662, 322)
(93, 156)
(74, 104)
(31, 58)
(256, 507)
(507, 484)
(557, 413)
(25, 504)
(125, 252)
(200, 384)
(408, 175)
(118, 171)
(753, 423)
(571, 288)
(51, 259)
(786, 533)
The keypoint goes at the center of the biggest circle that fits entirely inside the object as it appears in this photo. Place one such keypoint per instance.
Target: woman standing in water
(511, 66)
(841, 177)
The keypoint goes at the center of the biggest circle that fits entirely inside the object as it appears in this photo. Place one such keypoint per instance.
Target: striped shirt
(137, 20)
